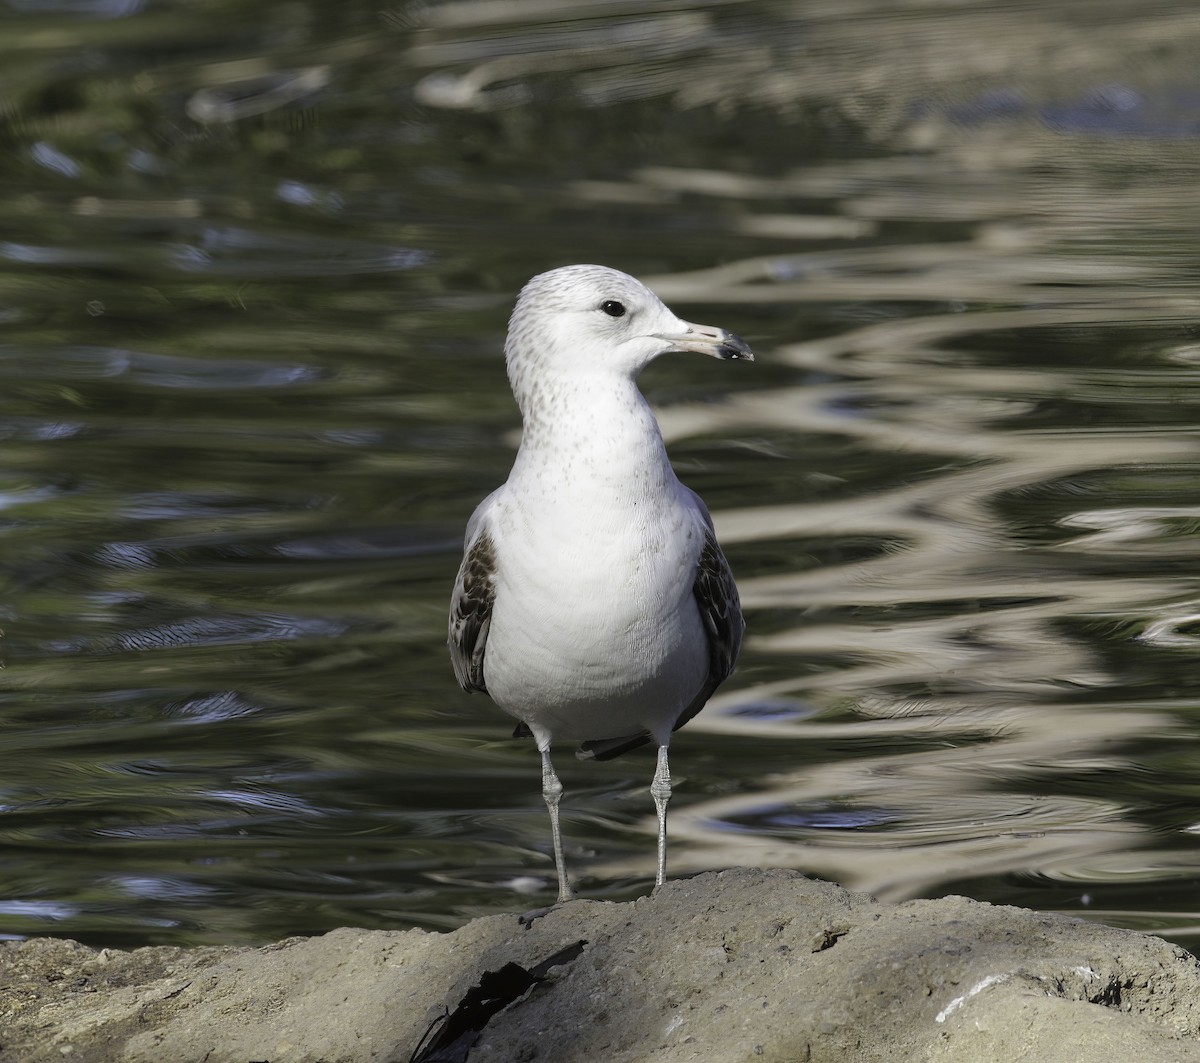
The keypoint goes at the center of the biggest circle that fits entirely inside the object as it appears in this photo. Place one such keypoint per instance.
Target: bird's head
(592, 319)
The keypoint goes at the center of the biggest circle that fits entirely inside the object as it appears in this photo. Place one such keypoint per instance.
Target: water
(255, 269)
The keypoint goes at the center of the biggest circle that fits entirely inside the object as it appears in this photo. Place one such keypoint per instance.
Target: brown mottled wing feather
(471, 611)
(721, 612)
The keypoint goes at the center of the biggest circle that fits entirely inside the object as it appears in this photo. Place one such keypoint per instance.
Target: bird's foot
(527, 919)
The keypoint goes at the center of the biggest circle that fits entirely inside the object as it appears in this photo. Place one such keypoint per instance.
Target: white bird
(593, 602)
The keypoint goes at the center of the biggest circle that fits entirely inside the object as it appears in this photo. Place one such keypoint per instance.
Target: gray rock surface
(741, 965)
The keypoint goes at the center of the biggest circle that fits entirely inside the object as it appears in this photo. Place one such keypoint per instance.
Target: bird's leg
(552, 792)
(660, 790)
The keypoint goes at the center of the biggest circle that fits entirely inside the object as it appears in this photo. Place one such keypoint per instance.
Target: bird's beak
(704, 339)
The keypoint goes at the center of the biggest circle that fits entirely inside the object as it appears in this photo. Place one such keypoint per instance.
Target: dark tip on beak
(704, 339)
(733, 349)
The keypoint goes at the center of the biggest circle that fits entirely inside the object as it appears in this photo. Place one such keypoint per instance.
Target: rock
(736, 966)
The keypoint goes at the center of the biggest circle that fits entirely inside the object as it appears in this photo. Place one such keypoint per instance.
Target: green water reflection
(255, 269)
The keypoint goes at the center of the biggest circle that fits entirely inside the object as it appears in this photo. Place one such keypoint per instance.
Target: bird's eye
(612, 308)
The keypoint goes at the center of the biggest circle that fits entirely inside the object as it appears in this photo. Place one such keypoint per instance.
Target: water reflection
(963, 609)
(908, 821)
(253, 295)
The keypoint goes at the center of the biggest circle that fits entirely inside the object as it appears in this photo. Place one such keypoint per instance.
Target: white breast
(595, 632)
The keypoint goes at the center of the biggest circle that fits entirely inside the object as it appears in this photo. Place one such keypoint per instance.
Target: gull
(593, 602)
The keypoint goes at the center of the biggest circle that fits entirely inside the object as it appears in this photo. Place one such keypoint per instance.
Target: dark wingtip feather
(607, 748)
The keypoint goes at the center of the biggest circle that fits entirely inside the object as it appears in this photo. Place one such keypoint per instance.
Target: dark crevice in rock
(451, 1038)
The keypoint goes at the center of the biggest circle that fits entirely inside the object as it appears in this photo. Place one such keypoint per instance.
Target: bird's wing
(471, 603)
(716, 595)
(720, 607)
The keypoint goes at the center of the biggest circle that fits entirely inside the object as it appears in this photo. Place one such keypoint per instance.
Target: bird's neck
(596, 434)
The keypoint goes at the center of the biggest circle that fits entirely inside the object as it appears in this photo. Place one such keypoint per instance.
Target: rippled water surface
(255, 269)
